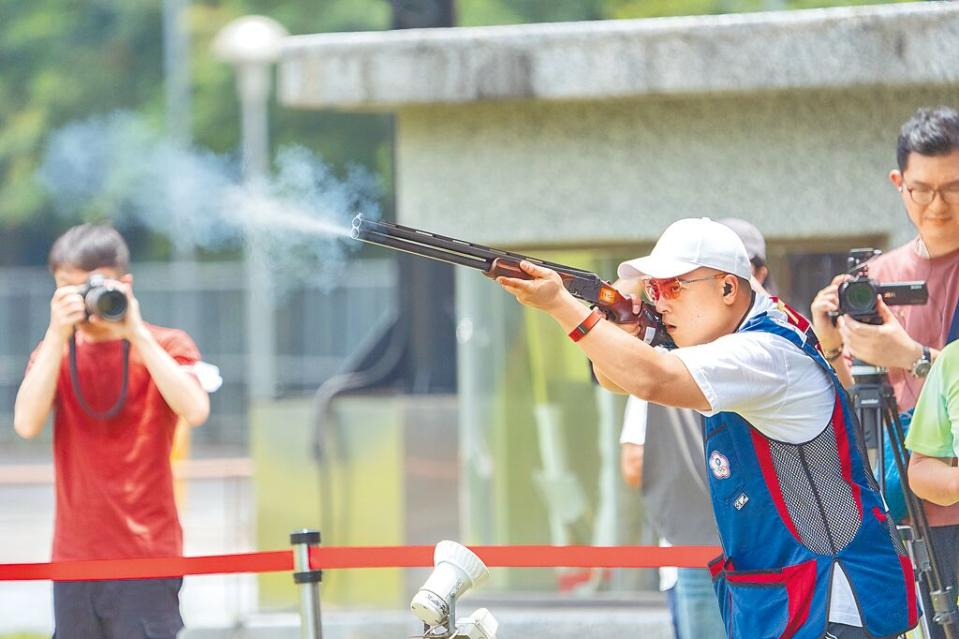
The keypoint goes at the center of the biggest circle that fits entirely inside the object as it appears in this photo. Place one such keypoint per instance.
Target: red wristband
(586, 325)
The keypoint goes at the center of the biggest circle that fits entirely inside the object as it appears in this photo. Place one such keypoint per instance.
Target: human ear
(895, 176)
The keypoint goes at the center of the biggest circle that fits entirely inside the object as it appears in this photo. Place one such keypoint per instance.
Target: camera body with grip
(857, 296)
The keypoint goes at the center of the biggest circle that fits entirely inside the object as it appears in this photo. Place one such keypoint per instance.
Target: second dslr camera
(103, 299)
(857, 296)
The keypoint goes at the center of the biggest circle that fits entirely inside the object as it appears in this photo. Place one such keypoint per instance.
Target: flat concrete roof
(885, 45)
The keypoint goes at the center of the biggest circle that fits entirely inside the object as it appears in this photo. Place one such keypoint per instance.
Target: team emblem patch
(719, 465)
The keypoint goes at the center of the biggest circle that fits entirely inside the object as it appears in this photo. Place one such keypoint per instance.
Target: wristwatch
(923, 364)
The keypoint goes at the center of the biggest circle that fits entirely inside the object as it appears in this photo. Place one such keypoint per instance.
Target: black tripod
(878, 413)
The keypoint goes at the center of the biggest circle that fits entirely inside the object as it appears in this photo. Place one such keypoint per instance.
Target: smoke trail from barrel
(116, 167)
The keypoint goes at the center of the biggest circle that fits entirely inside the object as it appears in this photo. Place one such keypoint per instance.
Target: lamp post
(251, 44)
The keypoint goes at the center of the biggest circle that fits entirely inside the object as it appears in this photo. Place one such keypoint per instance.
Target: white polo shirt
(778, 389)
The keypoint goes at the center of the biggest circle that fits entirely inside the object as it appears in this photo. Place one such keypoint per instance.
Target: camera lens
(860, 297)
(107, 303)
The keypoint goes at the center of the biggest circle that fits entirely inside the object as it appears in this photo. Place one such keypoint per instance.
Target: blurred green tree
(68, 61)
(64, 62)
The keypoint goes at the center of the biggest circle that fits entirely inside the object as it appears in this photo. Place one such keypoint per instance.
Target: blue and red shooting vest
(788, 514)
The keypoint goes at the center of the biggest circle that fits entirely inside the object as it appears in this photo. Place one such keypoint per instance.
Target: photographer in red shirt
(117, 387)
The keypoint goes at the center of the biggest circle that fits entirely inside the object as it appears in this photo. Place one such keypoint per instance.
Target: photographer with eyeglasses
(910, 338)
(802, 527)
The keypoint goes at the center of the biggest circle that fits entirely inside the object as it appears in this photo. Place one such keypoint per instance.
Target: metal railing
(317, 327)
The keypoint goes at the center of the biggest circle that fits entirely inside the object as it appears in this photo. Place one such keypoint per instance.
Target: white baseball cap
(689, 244)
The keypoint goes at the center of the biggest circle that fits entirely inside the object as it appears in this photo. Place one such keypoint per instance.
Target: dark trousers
(842, 631)
(122, 609)
(945, 540)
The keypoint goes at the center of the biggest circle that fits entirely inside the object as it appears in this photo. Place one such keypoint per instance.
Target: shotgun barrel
(582, 284)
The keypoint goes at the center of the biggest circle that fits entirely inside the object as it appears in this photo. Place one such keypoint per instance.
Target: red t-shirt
(926, 323)
(113, 477)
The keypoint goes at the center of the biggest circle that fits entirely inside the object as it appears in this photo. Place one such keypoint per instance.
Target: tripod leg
(942, 599)
(930, 629)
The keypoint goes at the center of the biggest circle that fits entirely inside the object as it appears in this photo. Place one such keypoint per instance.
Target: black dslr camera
(103, 299)
(857, 297)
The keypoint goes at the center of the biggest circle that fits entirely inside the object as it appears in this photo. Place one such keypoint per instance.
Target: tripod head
(864, 373)
(872, 395)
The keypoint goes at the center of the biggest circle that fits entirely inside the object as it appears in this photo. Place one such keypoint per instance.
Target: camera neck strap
(75, 380)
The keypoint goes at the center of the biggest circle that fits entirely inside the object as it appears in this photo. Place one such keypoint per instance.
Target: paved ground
(218, 518)
(514, 623)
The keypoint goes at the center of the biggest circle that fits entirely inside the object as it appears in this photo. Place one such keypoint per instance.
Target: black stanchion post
(308, 581)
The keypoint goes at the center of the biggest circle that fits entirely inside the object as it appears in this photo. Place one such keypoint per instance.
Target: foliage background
(63, 61)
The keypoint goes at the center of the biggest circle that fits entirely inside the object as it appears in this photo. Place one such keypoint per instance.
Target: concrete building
(598, 133)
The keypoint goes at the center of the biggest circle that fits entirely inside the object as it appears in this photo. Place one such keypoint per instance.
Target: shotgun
(494, 263)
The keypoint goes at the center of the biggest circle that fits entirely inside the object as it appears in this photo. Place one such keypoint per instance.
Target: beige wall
(524, 174)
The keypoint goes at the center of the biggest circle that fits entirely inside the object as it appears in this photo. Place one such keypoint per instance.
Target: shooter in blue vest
(808, 548)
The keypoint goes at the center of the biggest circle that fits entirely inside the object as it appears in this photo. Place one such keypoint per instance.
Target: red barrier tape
(362, 557)
(160, 567)
(520, 556)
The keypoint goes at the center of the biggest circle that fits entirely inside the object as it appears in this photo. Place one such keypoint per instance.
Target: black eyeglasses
(924, 195)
